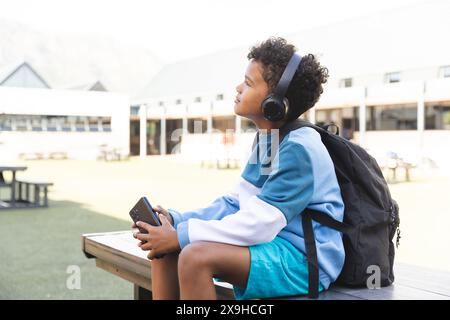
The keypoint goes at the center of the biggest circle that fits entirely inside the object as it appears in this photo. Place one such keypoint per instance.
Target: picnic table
(392, 162)
(12, 184)
(16, 186)
(118, 253)
(108, 153)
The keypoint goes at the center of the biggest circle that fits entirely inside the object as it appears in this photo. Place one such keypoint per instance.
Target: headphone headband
(288, 74)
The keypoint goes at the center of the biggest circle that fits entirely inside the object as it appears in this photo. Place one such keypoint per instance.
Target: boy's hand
(159, 240)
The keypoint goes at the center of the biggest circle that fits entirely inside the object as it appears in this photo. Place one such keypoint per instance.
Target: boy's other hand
(160, 210)
(159, 240)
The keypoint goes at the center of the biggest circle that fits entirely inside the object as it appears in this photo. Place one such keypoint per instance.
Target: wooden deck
(118, 253)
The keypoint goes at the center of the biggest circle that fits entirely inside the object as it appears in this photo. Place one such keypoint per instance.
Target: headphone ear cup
(270, 107)
(273, 108)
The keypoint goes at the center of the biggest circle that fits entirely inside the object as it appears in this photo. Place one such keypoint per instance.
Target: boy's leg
(165, 278)
(201, 261)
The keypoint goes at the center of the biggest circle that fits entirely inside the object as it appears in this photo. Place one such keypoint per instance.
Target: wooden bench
(118, 253)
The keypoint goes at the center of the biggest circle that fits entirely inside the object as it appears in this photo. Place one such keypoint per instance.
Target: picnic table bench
(16, 199)
(118, 253)
(40, 193)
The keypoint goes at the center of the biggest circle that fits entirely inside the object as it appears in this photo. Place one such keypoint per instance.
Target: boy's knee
(194, 256)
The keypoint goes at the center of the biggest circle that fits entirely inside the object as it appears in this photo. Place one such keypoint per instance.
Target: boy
(253, 236)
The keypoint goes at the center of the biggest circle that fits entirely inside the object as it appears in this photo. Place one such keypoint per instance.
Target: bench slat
(39, 183)
(435, 281)
(394, 292)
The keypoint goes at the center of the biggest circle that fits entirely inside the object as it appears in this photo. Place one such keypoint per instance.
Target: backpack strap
(328, 221)
(308, 215)
(311, 256)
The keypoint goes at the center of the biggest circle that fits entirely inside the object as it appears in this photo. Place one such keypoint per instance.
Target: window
(36, 123)
(52, 123)
(402, 117)
(198, 99)
(219, 96)
(106, 124)
(346, 83)
(134, 110)
(197, 125)
(328, 116)
(21, 123)
(80, 124)
(5, 123)
(393, 77)
(437, 117)
(94, 124)
(224, 123)
(444, 72)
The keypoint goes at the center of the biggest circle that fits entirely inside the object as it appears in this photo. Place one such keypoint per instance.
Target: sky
(176, 29)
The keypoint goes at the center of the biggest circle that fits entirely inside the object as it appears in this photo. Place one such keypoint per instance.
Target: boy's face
(251, 93)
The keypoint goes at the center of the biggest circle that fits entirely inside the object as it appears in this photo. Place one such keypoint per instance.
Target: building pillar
(362, 118)
(143, 131)
(421, 118)
(163, 133)
(185, 122)
(209, 122)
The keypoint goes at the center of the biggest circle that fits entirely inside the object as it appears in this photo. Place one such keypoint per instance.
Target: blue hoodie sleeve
(219, 208)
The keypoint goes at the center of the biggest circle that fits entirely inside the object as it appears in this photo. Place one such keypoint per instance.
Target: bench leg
(45, 197)
(13, 189)
(19, 185)
(36, 196)
(141, 293)
(27, 193)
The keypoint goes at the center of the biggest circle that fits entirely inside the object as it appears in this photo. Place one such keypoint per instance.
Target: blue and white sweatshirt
(268, 199)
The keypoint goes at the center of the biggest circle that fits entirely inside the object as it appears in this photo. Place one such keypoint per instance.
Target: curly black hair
(306, 86)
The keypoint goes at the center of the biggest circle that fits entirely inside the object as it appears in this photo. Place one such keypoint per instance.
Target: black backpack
(371, 216)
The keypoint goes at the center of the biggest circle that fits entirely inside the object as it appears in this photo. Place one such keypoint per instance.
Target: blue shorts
(277, 269)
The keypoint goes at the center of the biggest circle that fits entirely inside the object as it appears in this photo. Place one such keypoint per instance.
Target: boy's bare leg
(199, 262)
(165, 278)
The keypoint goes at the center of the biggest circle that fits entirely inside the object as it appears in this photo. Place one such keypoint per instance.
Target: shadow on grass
(38, 245)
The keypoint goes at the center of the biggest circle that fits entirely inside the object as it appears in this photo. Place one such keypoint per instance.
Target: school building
(38, 121)
(389, 90)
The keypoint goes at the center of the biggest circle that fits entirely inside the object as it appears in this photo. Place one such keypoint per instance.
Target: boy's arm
(219, 208)
(283, 196)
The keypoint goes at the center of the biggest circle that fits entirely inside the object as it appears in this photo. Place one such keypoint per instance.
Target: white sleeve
(259, 222)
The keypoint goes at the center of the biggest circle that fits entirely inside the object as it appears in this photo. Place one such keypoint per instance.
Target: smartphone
(143, 211)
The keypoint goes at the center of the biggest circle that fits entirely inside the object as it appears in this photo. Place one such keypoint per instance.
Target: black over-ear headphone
(275, 106)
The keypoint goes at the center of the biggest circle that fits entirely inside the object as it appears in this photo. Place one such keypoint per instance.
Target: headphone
(276, 106)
